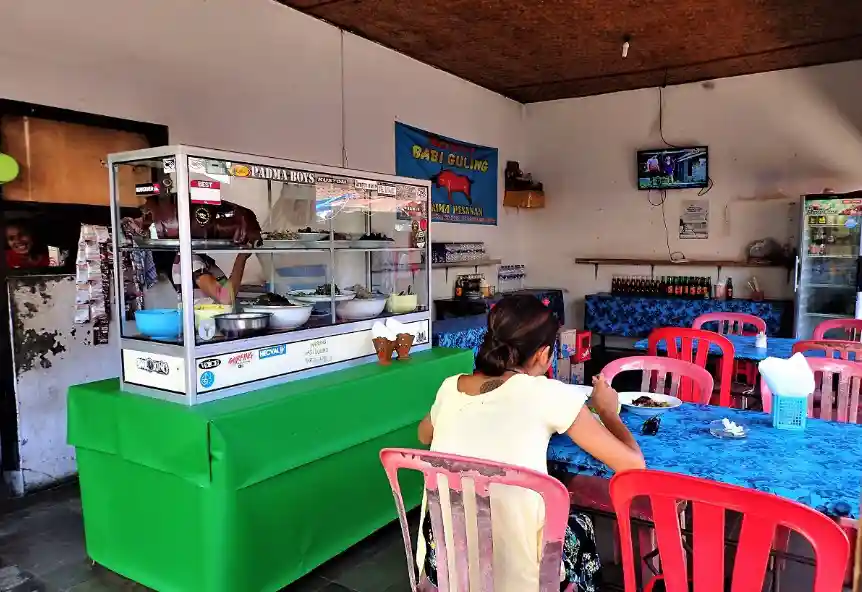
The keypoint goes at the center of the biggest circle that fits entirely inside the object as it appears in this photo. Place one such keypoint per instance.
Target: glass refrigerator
(827, 274)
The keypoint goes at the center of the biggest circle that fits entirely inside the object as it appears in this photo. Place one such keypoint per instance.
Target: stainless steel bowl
(242, 324)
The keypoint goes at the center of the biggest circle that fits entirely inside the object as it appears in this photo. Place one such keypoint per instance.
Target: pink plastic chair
(482, 473)
(656, 372)
(693, 346)
(844, 402)
(850, 329)
(735, 323)
(832, 348)
(731, 323)
(762, 514)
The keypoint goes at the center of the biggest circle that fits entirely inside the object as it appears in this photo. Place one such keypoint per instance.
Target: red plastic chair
(657, 371)
(851, 329)
(482, 473)
(832, 348)
(653, 380)
(692, 345)
(762, 514)
(841, 404)
(735, 323)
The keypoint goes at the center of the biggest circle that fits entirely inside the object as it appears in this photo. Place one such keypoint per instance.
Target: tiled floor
(42, 550)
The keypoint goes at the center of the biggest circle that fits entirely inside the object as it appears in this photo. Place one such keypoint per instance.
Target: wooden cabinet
(66, 162)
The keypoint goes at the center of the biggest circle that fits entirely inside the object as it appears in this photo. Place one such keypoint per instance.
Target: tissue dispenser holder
(789, 413)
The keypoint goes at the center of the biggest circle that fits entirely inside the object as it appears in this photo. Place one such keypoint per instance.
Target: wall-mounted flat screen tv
(673, 168)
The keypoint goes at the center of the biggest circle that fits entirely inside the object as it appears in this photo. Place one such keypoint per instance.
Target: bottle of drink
(707, 282)
(614, 287)
(729, 288)
(668, 288)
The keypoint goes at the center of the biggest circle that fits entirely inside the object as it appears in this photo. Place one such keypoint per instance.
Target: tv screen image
(673, 168)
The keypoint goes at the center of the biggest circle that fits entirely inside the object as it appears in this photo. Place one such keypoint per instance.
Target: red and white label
(205, 192)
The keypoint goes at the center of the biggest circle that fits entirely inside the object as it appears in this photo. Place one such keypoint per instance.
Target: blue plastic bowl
(159, 323)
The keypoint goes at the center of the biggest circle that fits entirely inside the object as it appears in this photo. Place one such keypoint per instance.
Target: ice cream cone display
(403, 343)
(384, 348)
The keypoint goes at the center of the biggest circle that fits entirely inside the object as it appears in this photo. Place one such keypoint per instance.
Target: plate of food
(323, 293)
(309, 235)
(648, 403)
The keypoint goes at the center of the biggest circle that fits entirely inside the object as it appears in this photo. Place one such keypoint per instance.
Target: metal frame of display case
(190, 352)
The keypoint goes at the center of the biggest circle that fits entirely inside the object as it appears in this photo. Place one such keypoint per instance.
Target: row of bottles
(676, 286)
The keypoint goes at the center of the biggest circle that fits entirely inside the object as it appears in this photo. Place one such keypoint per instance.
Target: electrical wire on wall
(674, 256)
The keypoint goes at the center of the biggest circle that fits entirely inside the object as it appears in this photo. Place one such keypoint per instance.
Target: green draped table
(254, 491)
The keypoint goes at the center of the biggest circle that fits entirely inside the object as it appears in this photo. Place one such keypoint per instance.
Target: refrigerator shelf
(824, 315)
(830, 256)
(833, 286)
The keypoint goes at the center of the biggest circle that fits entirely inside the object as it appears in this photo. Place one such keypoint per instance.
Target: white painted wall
(778, 133)
(250, 76)
(243, 75)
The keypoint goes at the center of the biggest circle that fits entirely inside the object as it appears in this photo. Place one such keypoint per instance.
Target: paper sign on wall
(694, 219)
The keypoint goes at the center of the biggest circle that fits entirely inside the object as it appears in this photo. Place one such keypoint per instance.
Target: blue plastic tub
(159, 323)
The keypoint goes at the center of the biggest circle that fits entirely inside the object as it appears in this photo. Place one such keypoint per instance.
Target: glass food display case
(329, 256)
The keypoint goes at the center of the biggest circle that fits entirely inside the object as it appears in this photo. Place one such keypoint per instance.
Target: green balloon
(8, 168)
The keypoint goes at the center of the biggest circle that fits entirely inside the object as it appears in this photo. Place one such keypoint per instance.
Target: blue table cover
(743, 346)
(637, 316)
(467, 333)
(818, 467)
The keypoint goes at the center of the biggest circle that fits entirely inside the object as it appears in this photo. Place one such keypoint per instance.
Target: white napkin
(789, 378)
(732, 428)
(396, 327)
(378, 329)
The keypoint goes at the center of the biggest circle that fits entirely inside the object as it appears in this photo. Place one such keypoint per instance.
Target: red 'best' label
(240, 359)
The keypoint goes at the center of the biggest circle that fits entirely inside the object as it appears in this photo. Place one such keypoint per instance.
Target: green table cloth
(251, 492)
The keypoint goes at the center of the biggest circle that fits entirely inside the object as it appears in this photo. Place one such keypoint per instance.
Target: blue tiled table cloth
(466, 333)
(637, 316)
(818, 467)
(743, 346)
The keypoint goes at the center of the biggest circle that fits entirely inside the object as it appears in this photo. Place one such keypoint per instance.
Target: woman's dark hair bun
(518, 327)
(495, 356)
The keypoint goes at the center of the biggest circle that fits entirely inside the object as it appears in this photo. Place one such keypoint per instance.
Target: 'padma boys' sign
(463, 176)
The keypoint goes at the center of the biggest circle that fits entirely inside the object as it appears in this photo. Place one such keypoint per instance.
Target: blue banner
(463, 176)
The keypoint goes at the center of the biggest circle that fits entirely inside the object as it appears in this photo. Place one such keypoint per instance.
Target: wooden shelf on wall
(653, 263)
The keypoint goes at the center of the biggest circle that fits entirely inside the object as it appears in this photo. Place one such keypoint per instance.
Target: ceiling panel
(548, 49)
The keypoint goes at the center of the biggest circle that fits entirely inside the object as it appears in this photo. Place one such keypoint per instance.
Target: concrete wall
(771, 138)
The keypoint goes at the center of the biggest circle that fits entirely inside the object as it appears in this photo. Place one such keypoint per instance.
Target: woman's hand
(604, 398)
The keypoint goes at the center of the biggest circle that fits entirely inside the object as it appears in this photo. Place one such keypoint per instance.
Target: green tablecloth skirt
(249, 493)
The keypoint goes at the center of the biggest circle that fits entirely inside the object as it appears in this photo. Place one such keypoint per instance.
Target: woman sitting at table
(506, 411)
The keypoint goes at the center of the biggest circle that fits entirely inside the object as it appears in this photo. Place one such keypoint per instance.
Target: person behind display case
(211, 283)
(22, 251)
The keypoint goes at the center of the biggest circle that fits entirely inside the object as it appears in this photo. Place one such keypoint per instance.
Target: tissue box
(789, 413)
(575, 345)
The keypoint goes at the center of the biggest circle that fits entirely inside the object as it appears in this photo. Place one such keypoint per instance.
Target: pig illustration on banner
(452, 182)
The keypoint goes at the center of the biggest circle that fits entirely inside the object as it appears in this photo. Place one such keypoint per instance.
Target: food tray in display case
(241, 271)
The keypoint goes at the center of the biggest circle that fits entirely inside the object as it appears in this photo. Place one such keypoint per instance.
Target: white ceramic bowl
(283, 316)
(402, 304)
(360, 308)
(627, 398)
